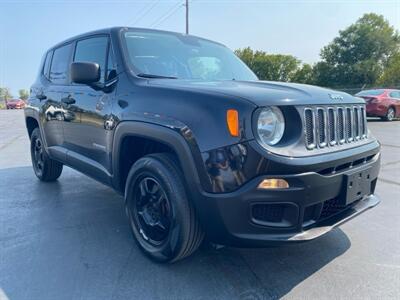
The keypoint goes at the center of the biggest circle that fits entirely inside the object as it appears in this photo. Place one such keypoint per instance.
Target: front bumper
(312, 205)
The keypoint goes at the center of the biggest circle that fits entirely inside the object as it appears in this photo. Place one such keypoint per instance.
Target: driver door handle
(68, 100)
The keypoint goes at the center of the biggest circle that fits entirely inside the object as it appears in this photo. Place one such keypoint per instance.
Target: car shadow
(70, 239)
(268, 273)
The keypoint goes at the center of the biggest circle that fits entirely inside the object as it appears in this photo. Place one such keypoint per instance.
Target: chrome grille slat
(332, 126)
(332, 130)
(309, 128)
(349, 125)
(360, 121)
(341, 125)
(321, 127)
(364, 122)
(356, 123)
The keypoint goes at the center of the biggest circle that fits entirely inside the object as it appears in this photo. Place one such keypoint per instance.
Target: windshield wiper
(144, 75)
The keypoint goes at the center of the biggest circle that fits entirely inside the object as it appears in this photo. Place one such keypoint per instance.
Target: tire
(177, 233)
(390, 114)
(45, 168)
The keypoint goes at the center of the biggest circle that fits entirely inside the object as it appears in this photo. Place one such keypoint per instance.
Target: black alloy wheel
(45, 168)
(161, 216)
(152, 210)
(38, 161)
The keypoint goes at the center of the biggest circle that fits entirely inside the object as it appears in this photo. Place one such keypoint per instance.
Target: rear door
(89, 140)
(56, 71)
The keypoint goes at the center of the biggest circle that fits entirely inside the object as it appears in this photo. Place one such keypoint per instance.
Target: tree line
(365, 54)
(5, 94)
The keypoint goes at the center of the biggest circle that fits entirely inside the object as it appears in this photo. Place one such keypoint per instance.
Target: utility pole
(187, 16)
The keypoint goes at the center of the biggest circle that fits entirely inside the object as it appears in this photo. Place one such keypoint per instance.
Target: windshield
(370, 93)
(169, 55)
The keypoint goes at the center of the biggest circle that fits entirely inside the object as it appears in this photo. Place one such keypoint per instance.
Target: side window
(46, 66)
(93, 50)
(59, 70)
(395, 95)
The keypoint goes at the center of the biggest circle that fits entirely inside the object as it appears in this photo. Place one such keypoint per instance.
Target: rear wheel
(45, 168)
(162, 218)
(390, 115)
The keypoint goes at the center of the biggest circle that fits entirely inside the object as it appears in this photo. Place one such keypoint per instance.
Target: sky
(299, 28)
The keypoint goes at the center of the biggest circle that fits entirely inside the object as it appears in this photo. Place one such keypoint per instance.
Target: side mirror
(85, 72)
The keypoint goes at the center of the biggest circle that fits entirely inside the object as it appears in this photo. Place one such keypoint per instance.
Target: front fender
(178, 138)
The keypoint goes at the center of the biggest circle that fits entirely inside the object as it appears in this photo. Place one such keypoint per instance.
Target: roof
(117, 29)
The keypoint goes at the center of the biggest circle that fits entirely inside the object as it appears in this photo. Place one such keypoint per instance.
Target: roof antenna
(187, 16)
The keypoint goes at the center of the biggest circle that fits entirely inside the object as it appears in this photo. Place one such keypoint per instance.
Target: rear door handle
(68, 100)
(41, 97)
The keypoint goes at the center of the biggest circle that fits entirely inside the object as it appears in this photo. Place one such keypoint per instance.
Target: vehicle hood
(263, 93)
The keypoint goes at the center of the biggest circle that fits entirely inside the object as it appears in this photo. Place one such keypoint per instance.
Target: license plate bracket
(357, 184)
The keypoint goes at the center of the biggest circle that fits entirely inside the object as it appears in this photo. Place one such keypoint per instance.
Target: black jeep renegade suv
(197, 144)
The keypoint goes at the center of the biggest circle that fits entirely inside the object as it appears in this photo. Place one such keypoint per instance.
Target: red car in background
(15, 104)
(384, 103)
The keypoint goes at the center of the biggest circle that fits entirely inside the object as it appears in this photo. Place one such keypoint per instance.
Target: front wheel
(45, 168)
(162, 218)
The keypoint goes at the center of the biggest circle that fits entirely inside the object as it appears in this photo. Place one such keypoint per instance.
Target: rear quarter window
(59, 70)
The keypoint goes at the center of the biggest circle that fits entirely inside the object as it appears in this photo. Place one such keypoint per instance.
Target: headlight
(270, 125)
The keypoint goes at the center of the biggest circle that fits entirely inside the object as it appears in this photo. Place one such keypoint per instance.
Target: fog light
(273, 184)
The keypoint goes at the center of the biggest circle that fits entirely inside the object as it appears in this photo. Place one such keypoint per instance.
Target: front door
(87, 135)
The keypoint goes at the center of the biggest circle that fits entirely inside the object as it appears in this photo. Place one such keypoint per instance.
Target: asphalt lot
(70, 240)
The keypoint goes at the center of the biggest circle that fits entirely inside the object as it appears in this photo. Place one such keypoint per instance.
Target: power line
(168, 14)
(145, 13)
(136, 17)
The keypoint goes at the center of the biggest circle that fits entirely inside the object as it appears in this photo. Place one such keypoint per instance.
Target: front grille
(332, 126)
(330, 208)
(322, 211)
(268, 212)
(346, 166)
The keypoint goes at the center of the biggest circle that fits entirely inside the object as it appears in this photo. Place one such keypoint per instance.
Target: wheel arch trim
(188, 155)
